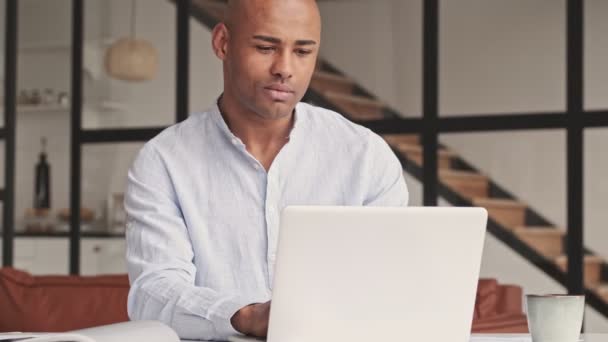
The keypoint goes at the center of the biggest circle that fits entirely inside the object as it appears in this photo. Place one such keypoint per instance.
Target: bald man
(204, 196)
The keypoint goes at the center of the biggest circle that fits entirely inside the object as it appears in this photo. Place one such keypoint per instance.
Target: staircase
(510, 220)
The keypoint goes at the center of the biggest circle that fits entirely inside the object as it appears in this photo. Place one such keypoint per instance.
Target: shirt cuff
(221, 313)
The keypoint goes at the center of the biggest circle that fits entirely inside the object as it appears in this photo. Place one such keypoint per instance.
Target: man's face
(271, 50)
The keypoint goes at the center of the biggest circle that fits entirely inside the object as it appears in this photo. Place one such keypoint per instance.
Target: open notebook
(138, 331)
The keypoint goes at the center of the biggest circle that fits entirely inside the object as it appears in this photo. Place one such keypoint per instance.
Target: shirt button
(256, 166)
(234, 141)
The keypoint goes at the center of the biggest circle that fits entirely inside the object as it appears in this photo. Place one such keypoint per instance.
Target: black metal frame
(76, 127)
(8, 133)
(574, 120)
(575, 146)
(183, 60)
(82, 136)
(79, 136)
(430, 101)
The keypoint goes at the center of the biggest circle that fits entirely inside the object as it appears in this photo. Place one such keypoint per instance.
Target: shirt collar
(298, 122)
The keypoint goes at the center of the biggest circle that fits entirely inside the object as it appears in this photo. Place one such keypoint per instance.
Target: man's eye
(303, 52)
(265, 49)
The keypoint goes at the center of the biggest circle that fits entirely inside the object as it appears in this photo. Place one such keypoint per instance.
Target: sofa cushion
(60, 303)
(486, 299)
(498, 308)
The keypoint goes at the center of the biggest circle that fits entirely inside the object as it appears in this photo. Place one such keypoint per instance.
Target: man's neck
(263, 137)
(254, 129)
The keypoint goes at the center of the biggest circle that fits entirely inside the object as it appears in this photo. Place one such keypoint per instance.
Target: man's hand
(252, 320)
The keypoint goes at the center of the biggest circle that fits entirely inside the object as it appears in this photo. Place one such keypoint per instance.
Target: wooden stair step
(548, 241)
(395, 139)
(215, 8)
(319, 65)
(509, 213)
(325, 81)
(602, 290)
(468, 184)
(415, 152)
(357, 107)
(593, 268)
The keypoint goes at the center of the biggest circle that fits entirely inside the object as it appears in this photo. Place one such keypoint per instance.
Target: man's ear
(219, 40)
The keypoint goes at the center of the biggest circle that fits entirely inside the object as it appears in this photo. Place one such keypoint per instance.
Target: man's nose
(282, 67)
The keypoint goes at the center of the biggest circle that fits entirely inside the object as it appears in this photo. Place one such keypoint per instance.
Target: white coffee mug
(555, 318)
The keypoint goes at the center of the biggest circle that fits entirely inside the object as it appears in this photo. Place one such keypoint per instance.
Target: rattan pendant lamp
(131, 59)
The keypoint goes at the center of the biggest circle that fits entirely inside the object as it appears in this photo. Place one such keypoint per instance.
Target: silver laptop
(376, 274)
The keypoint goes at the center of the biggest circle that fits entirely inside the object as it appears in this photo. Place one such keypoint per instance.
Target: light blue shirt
(203, 213)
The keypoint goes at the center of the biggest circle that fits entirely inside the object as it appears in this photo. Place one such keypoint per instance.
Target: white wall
(496, 56)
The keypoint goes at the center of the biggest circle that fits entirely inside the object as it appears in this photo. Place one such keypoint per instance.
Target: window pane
(206, 76)
(2, 53)
(502, 56)
(385, 58)
(596, 54)
(43, 74)
(113, 103)
(595, 216)
(531, 166)
(410, 152)
(104, 175)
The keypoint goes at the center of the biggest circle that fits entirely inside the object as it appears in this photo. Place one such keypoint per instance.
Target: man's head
(269, 50)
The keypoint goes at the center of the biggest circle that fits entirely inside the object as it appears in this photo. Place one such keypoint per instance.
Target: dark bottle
(42, 192)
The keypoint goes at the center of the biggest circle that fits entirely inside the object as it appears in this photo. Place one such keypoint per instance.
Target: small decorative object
(117, 216)
(86, 215)
(24, 98)
(35, 98)
(48, 96)
(63, 99)
(42, 191)
(38, 220)
(132, 59)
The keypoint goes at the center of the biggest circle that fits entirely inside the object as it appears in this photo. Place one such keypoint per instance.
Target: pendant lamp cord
(133, 18)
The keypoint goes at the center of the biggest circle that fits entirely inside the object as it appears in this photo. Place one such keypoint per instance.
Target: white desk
(516, 338)
(526, 338)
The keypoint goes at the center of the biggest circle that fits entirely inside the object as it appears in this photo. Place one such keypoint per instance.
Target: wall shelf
(103, 106)
(93, 52)
(112, 106)
(83, 234)
(42, 108)
(60, 46)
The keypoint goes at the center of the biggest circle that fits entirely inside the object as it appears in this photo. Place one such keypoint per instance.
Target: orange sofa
(62, 303)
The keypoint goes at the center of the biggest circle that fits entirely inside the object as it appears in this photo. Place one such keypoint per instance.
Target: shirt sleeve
(387, 186)
(160, 259)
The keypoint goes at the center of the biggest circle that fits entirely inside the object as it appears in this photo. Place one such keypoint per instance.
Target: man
(204, 196)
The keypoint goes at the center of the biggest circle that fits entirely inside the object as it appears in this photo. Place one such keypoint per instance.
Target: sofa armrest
(60, 303)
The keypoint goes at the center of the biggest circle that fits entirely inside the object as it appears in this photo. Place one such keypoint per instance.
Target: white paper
(16, 335)
(44, 337)
(139, 331)
(136, 331)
